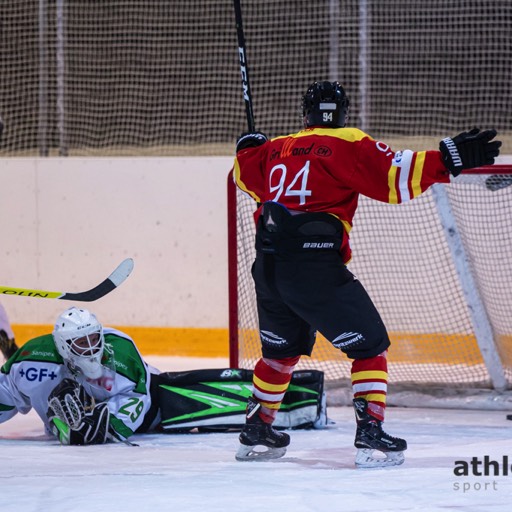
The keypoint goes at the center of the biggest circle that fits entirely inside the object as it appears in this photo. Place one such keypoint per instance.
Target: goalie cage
(439, 270)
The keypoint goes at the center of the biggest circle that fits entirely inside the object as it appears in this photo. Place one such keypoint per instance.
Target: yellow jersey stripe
(348, 134)
(241, 184)
(417, 173)
(393, 194)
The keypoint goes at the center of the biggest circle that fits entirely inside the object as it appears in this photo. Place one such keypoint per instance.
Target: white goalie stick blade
(249, 453)
(365, 458)
(117, 277)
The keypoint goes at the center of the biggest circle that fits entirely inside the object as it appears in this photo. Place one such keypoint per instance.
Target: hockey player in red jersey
(307, 186)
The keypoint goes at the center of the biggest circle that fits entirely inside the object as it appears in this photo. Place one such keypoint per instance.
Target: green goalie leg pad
(215, 400)
(61, 430)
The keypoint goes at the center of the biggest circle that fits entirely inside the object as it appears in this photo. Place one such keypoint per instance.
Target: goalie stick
(117, 277)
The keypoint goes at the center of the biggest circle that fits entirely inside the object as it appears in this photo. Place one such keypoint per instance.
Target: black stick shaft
(242, 55)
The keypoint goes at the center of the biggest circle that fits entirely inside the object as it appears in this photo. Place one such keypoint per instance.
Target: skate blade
(365, 459)
(248, 453)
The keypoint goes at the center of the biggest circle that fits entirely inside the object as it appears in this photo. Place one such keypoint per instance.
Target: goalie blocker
(215, 400)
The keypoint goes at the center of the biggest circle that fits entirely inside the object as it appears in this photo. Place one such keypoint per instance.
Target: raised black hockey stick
(113, 281)
(242, 55)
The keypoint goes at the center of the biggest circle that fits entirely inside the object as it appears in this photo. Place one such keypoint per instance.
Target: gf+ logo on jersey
(38, 374)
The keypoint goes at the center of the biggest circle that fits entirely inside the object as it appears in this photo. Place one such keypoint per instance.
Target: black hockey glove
(250, 140)
(74, 417)
(469, 149)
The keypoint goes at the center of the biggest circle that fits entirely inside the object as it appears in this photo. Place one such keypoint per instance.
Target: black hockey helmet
(325, 104)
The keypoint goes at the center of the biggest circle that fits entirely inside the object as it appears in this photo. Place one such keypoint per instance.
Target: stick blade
(122, 272)
(117, 277)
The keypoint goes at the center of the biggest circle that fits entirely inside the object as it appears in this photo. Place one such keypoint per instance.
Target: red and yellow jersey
(325, 170)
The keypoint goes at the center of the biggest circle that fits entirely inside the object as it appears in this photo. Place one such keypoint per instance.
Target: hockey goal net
(438, 269)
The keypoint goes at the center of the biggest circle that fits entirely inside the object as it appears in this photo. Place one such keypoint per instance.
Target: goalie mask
(325, 104)
(79, 339)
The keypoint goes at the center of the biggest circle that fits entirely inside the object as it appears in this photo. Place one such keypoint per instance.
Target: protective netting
(116, 77)
(402, 257)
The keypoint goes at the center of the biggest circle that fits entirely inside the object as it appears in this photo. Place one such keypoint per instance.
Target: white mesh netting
(402, 257)
(116, 77)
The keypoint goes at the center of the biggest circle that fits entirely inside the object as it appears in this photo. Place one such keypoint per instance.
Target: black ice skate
(257, 433)
(370, 437)
(7, 346)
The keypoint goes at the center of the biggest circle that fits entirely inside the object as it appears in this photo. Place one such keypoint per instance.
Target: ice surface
(198, 472)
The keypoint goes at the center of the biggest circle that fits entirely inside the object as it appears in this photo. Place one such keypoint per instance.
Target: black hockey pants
(302, 286)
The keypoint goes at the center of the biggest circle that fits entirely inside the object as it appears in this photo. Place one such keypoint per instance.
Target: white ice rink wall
(65, 223)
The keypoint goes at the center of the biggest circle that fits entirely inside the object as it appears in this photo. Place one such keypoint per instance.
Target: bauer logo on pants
(318, 245)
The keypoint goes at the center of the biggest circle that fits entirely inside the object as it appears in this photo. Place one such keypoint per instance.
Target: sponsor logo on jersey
(290, 149)
(397, 158)
(42, 354)
(323, 151)
(119, 364)
(37, 374)
(272, 339)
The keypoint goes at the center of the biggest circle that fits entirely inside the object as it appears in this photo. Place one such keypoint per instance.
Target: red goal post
(439, 269)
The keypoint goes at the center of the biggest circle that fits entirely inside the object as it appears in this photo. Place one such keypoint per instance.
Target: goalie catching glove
(74, 416)
(469, 149)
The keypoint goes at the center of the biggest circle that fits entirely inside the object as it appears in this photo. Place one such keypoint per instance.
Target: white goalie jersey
(30, 375)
